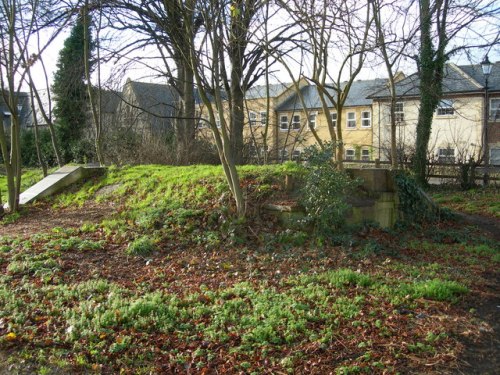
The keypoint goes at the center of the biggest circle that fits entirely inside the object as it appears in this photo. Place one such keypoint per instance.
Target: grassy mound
(166, 285)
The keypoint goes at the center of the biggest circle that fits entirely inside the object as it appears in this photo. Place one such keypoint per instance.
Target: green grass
(83, 300)
(309, 309)
(29, 178)
(475, 201)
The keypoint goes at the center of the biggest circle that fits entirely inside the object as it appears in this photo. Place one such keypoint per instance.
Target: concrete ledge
(57, 181)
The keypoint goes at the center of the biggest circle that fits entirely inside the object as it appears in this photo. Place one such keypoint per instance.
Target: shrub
(325, 191)
(141, 246)
(415, 205)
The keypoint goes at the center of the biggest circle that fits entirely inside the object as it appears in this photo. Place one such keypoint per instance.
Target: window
(399, 112)
(253, 118)
(495, 156)
(202, 123)
(252, 151)
(446, 155)
(351, 120)
(349, 154)
(263, 118)
(284, 122)
(365, 154)
(334, 118)
(494, 109)
(263, 151)
(296, 122)
(312, 121)
(283, 154)
(366, 119)
(445, 108)
(296, 155)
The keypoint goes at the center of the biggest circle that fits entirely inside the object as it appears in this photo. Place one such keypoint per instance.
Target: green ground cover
(168, 282)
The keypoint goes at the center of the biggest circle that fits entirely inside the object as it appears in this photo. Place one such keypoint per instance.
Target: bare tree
(393, 34)
(18, 18)
(165, 25)
(336, 36)
(442, 25)
(94, 103)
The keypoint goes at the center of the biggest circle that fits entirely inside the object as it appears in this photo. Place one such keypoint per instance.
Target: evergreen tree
(70, 92)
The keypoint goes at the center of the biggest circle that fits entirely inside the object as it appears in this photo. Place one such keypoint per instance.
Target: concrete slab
(57, 181)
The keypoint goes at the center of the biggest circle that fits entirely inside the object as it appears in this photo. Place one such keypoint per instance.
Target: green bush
(28, 148)
(325, 191)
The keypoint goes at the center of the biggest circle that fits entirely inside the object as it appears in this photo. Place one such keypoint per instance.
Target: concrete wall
(376, 201)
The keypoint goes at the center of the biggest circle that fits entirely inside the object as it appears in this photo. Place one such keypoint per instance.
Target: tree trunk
(237, 117)
(431, 67)
(37, 138)
(184, 124)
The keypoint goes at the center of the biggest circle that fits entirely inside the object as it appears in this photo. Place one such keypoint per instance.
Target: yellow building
(303, 111)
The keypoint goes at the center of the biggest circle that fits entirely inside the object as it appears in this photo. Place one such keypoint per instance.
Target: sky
(371, 70)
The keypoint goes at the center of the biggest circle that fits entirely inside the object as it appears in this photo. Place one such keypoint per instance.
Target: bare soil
(482, 350)
(43, 218)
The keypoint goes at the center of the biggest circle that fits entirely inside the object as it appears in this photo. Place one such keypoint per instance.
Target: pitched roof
(158, 99)
(358, 95)
(457, 79)
(260, 92)
(476, 72)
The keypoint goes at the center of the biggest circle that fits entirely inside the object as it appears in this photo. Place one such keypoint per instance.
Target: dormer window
(445, 108)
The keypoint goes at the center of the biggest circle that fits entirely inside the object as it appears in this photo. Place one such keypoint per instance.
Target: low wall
(375, 201)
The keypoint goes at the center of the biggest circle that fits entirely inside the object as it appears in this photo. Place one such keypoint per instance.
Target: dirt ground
(42, 218)
(481, 357)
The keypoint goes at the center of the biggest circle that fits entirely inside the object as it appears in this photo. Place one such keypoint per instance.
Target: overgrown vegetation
(165, 284)
(325, 191)
(480, 200)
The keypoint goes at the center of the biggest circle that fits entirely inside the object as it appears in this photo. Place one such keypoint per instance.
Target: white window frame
(399, 112)
(495, 155)
(351, 122)
(295, 122)
(334, 119)
(252, 118)
(263, 118)
(348, 151)
(296, 153)
(445, 154)
(202, 123)
(366, 122)
(365, 154)
(312, 120)
(217, 121)
(284, 121)
(494, 110)
(445, 108)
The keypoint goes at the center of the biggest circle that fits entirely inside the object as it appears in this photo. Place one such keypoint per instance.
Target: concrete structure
(376, 201)
(57, 181)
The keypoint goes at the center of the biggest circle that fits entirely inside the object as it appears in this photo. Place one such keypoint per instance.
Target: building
(459, 130)
(303, 111)
(146, 109)
(23, 108)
